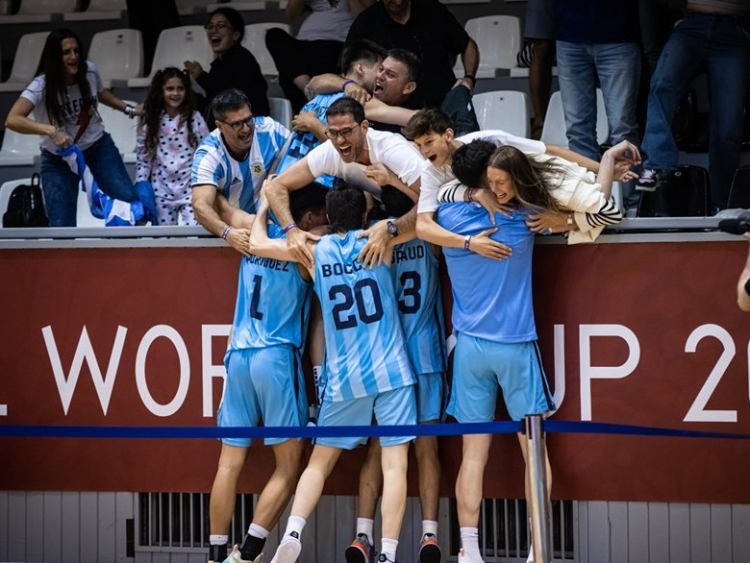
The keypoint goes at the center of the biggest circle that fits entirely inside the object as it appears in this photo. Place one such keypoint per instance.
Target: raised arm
(375, 110)
(293, 178)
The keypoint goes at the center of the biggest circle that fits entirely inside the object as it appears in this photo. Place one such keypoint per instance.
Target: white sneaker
(288, 550)
(236, 557)
(463, 557)
(530, 558)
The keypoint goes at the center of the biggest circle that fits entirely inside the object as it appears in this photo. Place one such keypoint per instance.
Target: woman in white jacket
(566, 197)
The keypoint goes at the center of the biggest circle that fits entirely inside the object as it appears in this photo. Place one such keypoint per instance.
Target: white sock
(389, 548)
(429, 527)
(218, 539)
(295, 524)
(364, 526)
(258, 531)
(470, 542)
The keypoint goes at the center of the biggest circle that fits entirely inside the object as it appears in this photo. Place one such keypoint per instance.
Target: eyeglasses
(344, 133)
(216, 26)
(237, 125)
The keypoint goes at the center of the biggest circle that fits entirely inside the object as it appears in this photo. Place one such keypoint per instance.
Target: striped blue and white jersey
(302, 142)
(273, 303)
(365, 350)
(415, 276)
(239, 181)
(492, 299)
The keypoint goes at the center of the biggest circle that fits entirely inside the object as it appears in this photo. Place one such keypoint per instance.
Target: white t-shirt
(391, 149)
(326, 21)
(71, 106)
(434, 177)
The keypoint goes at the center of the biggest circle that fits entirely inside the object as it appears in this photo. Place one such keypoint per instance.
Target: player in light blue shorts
(420, 313)
(264, 381)
(481, 366)
(367, 371)
(263, 385)
(493, 316)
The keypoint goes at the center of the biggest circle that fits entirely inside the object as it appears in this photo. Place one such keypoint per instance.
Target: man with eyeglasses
(361, 156)
(232, 163)
(361, 62)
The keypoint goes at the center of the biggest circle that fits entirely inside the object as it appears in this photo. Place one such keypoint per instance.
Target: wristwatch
(392, 229)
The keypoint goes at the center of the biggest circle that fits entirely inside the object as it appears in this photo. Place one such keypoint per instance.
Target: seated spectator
(317, 47)
(233, 67)
(713, 37)
(64, 97)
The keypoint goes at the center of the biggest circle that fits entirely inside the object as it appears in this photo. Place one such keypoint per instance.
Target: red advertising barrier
(645, 334)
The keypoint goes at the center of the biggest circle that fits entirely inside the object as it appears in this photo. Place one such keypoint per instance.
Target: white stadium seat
(255, 42)
(175, 46)
(123, 130)
(187, 7)
(499, 40)
(26, 61)
(503, 109)
(118, 54)
(19, 149)
(281, 111)
(84, 218)
(554, 130)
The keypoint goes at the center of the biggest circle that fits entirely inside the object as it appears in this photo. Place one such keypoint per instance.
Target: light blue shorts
(430, 397)
(392, 408)
(481, 366)
(262, 385)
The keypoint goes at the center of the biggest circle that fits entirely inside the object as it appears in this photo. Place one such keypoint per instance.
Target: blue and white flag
(115, 212)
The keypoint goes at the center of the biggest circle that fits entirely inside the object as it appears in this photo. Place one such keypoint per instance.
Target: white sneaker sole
(288, 552)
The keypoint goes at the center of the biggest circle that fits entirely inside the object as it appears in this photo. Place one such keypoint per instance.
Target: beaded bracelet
(345, 84)
(289, 227)
(467, 242)
(226, 233)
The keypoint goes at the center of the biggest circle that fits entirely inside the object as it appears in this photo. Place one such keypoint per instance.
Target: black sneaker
(429, 550)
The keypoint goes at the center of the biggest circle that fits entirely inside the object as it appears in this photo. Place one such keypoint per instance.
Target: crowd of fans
(384, 170)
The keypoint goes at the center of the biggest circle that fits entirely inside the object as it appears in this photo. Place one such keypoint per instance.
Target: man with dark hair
(232, 163)
(361, 382)
(361, 63)
(358, 155)
(264, 380)
(428, 29)
(387, 97)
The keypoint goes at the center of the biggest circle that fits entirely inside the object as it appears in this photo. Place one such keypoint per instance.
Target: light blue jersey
(239, 181)
(273, 303)
(303, 142)
(491, 298)
(365, 350)
(415, 276)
